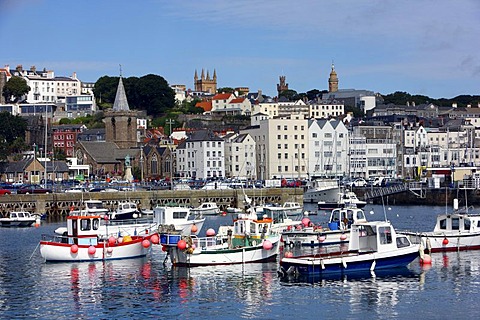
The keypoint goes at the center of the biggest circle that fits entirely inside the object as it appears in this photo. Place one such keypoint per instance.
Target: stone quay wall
(60, 204)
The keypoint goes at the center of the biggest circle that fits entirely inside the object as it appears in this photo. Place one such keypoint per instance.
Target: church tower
(120, 121)
(282, 86)
(333, 81)
(205, 83)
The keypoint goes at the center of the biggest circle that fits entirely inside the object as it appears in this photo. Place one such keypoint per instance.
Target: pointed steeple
(208, 75)
(214, 74)
(195, 77)
(203, 75)
(121, 103)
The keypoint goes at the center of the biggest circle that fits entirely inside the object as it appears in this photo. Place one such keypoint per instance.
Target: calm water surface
(145, 288)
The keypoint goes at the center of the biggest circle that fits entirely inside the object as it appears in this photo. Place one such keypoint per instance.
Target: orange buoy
(74, 248)
(194, 228)
(288, 254)
(445, 241)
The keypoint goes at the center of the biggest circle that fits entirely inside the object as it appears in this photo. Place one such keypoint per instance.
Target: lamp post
(141, 165)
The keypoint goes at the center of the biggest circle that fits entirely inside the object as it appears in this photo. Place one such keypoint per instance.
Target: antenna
(120, 70)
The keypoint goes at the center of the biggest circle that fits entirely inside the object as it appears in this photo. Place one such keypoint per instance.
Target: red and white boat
(83, 242)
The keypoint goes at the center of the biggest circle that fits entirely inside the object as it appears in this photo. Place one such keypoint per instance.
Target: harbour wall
(60, 204)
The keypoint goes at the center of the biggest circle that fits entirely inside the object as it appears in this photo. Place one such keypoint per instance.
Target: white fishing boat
(249, 240)
(455, 231)
(179, 219)
(347, 198)
(337, 232)
(18, 219)
(125, 210)
(84, 242)
(292, 208)
(322, 189)
(372, 246)
(207, 209)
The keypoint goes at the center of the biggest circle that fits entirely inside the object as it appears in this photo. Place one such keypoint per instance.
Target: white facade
(201, 156)
(240, 156)
(326, 110)
(268, 108)
(282, 148)
(328, 148)
(372, 157)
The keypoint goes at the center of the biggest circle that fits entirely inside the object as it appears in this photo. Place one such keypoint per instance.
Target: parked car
(4, 192)
(358, 182)
(33, 188)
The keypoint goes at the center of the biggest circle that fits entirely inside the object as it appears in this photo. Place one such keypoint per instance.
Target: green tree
(154, 95)
(289, 94)
(15, 88)
(12, 133)
(225, 90)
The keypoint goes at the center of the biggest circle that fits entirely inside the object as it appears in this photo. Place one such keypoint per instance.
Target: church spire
(121, 103)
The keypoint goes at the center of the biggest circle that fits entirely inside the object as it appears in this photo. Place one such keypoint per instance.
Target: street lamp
(141, 165)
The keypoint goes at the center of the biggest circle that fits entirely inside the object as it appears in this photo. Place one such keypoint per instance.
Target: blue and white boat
(337, 232)
(373, 246)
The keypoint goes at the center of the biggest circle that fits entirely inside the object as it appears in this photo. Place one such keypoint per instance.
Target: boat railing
(113, 222)
(55, 238)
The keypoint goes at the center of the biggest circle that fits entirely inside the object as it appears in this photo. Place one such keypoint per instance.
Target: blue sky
(428, 47)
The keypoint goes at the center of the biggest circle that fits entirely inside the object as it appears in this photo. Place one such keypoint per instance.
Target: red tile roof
(237, 100)
(207, 106)
(222, 96)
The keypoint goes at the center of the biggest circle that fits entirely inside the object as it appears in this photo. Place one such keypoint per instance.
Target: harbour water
(146, 288)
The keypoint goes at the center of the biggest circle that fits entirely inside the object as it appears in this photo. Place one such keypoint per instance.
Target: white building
(240, 156)
(326, 109)
(282, 147)
(268, 108)
(328, 148)
(201, 156)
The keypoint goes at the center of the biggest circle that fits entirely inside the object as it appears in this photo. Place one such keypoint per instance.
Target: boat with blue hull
(373, 246)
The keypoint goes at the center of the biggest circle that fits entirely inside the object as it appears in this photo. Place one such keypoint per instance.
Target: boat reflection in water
(250, 283)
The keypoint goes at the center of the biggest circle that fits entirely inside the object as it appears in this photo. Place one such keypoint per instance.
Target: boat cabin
(376, 236)
(343, 218)
(83, 229)
(457, 222)
(170, 215)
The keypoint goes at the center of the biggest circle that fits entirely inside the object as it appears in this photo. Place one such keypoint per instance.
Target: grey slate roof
(121, 103)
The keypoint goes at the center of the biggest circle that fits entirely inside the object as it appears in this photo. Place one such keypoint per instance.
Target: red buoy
(111, 241)
(343, 237)
(288, 254)
(182, 244)
(164, 248)
(267, 245)
(74, 248)
(305, 222)
(445, 241)
(155, 239)
(92, 250)
(146, 243)
(210, 232)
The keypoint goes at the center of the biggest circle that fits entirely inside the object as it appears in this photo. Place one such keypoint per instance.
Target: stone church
(122, 155)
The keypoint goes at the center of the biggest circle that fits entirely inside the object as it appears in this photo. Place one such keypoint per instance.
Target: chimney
(74, 76)
(33, 69)
(19, 68)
